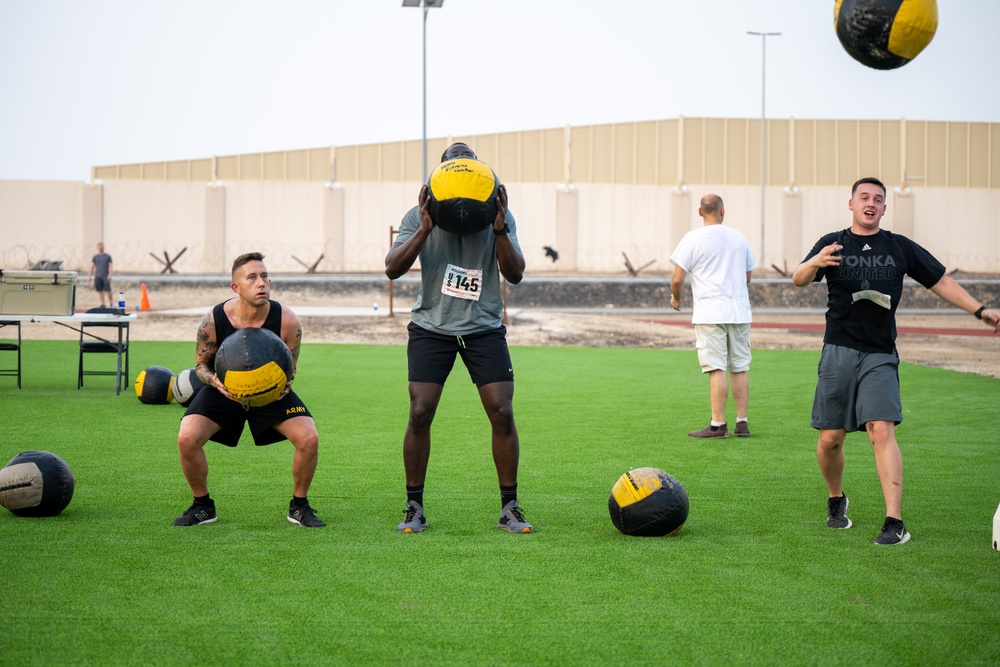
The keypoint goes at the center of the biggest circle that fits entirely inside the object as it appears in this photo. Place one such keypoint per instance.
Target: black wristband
(505, 230)
(979, 313)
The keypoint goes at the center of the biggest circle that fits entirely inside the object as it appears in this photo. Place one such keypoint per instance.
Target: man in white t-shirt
(719, 260)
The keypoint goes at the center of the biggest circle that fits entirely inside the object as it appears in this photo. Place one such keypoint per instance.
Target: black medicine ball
(885, 34)
(463, 196)
(254, 365)
(36, 483)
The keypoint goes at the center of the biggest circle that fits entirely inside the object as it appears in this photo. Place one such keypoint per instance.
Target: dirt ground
(953, 341)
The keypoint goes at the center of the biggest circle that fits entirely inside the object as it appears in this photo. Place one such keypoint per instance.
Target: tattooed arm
(204, 356)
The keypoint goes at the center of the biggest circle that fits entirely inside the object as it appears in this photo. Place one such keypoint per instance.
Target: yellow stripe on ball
(635, 485)
(462, 178)
(913, 28)
(259, 386)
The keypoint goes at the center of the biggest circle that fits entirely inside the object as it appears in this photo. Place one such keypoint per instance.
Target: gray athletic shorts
(855, 388)
(723, 347)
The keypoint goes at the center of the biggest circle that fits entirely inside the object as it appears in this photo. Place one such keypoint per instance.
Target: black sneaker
(304, 516)
(836, 512)
(893, 532)
(196, 515)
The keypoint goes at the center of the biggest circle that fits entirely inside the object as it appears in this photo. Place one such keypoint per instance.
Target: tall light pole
(426, 5)
(763, 129)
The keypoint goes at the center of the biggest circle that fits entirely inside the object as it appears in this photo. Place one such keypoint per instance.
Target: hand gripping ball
(35, 484)
(463, 196)
(647, 502)
(254, 365)
(154, 385)
(885, 34)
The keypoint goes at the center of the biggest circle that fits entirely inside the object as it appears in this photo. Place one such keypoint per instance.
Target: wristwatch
(501, 232)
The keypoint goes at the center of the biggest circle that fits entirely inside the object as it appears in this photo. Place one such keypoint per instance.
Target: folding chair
(90, 342)
(12, 347)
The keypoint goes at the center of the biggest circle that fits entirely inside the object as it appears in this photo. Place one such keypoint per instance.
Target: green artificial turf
(753, 578)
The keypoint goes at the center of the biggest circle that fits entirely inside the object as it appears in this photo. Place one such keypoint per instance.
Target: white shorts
(723, 347)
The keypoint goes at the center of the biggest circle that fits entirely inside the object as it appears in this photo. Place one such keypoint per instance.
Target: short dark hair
(871, 180)
(244, 258)
(454, 151)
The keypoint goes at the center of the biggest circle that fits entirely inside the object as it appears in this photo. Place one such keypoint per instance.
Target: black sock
(298, 502)
(507, 494)
(416, 494)
(204, 500)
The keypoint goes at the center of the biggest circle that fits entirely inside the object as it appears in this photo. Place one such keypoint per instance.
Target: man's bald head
(711, 208)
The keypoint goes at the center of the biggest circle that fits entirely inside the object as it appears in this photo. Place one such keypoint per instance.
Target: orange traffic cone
(145, 299)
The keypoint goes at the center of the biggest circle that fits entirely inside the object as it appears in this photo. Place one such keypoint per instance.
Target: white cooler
(37, 292)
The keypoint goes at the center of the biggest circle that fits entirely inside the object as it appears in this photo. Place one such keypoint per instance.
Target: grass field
(753, 578)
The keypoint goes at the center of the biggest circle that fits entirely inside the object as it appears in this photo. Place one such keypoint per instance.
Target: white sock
(716, 424)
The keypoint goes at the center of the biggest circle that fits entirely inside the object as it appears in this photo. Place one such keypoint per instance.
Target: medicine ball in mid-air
(36, 483)
(647, 502)
(885, 34)
(463, 196)
(254, 365)
(154, 385)
(186, 385)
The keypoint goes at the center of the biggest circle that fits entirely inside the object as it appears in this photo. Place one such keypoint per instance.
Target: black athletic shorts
(430, 356)
(232, 417)
(102, 284)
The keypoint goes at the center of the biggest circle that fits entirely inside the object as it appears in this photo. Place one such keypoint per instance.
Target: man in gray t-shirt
(458, 312)
(100, 272)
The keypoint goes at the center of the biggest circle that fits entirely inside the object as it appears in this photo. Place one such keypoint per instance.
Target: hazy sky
(122, 81)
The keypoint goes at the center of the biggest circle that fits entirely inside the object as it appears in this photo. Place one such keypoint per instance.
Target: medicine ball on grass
(36, 483)
(186, 385)
(647, 502)
(885, 34)
(254, 365)
(463, 196)
(154, 385)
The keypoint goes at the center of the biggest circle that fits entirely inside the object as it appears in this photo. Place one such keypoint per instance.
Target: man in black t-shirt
(858, 383)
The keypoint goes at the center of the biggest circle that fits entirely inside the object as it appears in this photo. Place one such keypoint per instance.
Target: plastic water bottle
(121, 301)
(375, 308)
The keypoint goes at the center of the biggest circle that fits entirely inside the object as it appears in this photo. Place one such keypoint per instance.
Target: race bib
(875, 296)
(462, 283)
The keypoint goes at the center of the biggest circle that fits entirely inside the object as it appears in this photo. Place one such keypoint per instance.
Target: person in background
(100, 273)
(719, 260)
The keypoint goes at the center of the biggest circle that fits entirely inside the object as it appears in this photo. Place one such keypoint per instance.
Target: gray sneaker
(512, 520)
(893, 532)
(414, 520)
(836, 512)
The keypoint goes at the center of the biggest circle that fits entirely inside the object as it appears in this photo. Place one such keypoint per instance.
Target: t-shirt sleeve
(682, 255)
(408, 225)
(824, 241)
(922, 265)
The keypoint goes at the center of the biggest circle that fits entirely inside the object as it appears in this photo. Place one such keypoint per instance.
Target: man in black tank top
(214, 414)
(858, 385)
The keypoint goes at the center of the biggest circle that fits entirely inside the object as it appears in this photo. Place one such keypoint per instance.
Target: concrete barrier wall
(347, 227)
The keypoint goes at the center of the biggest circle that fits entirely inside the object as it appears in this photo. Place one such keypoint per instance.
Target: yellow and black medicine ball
(463, 196)
(885, 34)
(254, 365)
(154, 385)
(648, 502)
